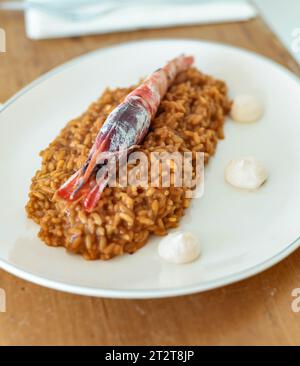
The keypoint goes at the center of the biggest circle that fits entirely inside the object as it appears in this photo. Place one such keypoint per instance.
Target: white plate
(241, 233)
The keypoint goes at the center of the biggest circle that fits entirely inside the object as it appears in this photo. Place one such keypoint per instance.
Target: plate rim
(150, 293)
(145, 293)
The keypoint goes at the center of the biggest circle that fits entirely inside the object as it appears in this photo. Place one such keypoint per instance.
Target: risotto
(190, 118)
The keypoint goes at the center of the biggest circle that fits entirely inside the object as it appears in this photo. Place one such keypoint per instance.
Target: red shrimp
(124, 128)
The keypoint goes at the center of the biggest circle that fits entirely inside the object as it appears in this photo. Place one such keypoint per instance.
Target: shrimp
(124, 129)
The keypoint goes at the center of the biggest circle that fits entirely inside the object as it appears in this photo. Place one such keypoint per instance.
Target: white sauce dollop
(179, 247)
(246, 108)
(246, 173)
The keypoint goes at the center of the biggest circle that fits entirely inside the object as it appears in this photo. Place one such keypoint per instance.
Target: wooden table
(256, 311)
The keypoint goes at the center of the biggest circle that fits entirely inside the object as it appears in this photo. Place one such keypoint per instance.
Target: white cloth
(40, 25)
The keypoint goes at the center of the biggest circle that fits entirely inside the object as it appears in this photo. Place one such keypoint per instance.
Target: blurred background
(67, 18)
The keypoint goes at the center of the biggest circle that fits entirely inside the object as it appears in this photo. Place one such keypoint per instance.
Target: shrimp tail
(75, 183)
(65, 191)
(91, 198)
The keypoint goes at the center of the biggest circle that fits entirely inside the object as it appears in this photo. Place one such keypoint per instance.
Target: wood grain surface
(256, 311)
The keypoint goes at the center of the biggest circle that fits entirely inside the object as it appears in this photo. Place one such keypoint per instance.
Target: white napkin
(41, 25)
